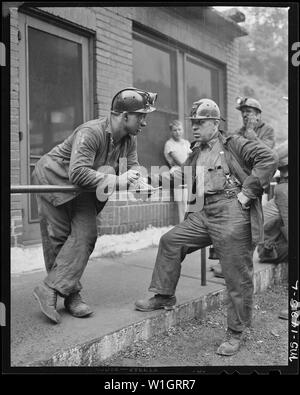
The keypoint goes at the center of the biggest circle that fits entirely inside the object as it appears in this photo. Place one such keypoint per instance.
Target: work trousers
(181, 198)
(275, 246)
(69, 234)
(226, 225)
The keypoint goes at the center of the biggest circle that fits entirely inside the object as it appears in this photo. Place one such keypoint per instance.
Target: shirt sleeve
(132, 156)
(168, 147)
(167, 150)
(86, 143)
(263, 163)
(268, 136)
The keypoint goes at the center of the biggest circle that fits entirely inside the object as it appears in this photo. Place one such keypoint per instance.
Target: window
(202, 80)
(154, 70)
(55, 89)
(180, 78)
(55, 99)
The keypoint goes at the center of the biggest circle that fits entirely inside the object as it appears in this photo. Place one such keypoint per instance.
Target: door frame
(31, 230)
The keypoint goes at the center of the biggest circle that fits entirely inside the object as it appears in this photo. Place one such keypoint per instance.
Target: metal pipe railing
(203, 266)
(72, 188)
(47, 188)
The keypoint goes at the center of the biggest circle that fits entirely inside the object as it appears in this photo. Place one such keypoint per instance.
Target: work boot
(232, 343)
(76, 306)
(156, 302)
(47, 298)
(284, 314)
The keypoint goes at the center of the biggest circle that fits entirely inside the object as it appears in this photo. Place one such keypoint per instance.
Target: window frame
(183, 53)
(211, 65)
(27, 161)
(137, 35)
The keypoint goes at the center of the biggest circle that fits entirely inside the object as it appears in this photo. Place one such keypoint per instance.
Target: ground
(194, 343)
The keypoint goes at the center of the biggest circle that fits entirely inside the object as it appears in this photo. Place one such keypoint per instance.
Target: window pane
(154, 70)
(55, 89)
(55, 94)
(152, 140)
(202, 82)
(198, 82)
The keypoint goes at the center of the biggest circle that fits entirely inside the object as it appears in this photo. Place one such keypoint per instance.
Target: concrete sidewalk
(110, 286)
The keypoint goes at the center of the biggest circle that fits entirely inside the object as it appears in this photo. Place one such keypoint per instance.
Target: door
(54, 98)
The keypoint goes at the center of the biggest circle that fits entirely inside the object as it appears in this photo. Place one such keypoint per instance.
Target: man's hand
(127, 178)
(252, 121)
(244, 200)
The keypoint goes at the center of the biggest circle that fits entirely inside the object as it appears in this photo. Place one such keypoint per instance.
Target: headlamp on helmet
(248, 102)
(133, 100)
(205, 109)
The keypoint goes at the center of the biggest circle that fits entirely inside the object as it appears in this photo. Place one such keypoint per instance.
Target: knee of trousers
(89, 237)
(166, 239)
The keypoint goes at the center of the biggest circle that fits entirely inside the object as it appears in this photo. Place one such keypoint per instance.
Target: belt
(227, 193)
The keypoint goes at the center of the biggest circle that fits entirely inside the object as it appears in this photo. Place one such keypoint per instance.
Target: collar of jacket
(259, 125)
(196, 144)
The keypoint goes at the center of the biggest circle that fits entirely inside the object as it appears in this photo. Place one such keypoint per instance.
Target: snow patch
(28, 259)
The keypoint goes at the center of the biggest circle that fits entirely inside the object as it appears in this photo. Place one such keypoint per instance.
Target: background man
(235, 172)
(68, 220)
(176, 151)
(275, 247)
(253, 127)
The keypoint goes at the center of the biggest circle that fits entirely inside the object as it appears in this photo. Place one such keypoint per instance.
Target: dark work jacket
(253, 164)
(264, 133)
(86, 159)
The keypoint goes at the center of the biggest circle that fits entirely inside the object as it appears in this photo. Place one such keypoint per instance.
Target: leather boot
(76, 306)
(231, 345)
(47, 298)
(156, 302)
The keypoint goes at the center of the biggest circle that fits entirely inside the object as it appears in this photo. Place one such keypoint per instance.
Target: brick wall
(16, 203)
(123, 217)
(113, 71)
(113, 54)
(233, 88)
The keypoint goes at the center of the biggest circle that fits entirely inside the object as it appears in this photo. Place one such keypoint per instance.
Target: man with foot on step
(229, 175)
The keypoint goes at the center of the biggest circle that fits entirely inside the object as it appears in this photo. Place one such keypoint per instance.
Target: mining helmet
(205, 109)
(248, 102)
(133, 100)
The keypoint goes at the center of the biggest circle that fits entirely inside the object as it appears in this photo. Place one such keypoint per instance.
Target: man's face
(134, 122)
(204, 129)
(249, 113)
(177, 132)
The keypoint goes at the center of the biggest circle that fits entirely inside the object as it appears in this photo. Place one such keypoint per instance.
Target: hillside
(270, 97)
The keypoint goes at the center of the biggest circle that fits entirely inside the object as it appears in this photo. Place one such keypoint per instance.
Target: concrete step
(111, 287)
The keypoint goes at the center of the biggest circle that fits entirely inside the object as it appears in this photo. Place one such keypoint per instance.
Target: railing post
(203, 266)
